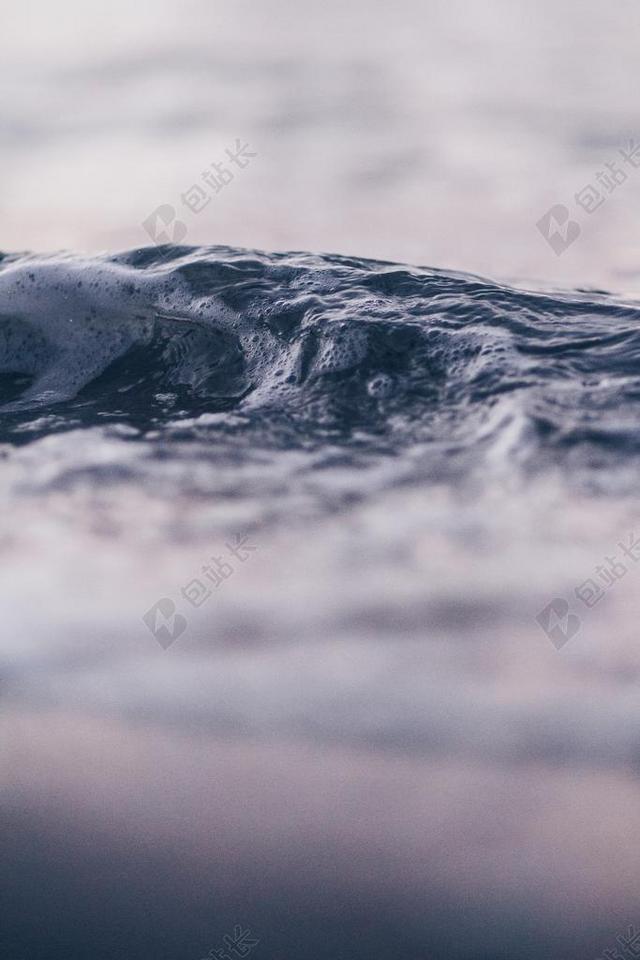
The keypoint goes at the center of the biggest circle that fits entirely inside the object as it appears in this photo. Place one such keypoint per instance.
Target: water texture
(359, 739)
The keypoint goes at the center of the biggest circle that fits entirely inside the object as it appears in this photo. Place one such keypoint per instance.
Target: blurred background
(434, 132)
(366, 746)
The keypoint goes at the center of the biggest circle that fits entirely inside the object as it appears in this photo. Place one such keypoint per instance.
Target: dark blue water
(363, 744)
(295, 349)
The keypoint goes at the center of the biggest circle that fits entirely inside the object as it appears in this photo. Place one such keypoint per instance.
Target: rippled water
(280, 350)
(340, 492)
(291, 543)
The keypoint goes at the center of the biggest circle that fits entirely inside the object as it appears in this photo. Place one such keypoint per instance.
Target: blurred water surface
(435, 132)
(361, 743)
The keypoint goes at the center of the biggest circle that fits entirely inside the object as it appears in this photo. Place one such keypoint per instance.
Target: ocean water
(319, 570)
(281, 536)
(426, 131)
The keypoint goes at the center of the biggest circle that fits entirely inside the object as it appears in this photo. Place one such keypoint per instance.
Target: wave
(301, 345)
